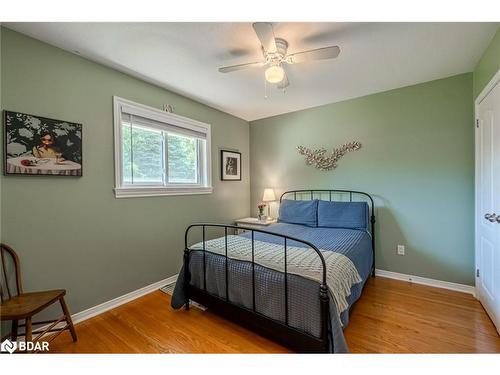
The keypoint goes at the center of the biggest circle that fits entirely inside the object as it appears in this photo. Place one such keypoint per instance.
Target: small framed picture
(230, 164)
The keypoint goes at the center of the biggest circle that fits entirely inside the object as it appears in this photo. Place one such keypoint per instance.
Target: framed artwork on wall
(230, 163)
(38, 146)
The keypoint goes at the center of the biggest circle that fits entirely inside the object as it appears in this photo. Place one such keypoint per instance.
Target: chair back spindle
(6, 292)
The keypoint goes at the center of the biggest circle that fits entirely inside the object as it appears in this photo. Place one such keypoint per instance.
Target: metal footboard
(277, 330)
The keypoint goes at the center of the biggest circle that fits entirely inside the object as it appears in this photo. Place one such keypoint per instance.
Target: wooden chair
(22, 306)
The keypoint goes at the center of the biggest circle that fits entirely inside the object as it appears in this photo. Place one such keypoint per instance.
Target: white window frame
(204, 156)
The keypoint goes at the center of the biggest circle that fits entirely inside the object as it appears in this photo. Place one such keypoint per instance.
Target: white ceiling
(184, 58)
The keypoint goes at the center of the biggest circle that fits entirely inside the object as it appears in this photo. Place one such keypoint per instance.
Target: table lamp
(267, 198)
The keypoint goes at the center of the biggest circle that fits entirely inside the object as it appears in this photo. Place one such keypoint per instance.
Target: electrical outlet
(401, 250)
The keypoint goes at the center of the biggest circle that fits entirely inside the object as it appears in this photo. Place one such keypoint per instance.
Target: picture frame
(41, 146)
(230, 164)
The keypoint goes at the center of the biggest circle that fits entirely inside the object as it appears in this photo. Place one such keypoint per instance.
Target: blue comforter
(354, 244)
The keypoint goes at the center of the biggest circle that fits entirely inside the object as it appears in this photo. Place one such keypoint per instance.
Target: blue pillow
(351, 215)
(299, 212)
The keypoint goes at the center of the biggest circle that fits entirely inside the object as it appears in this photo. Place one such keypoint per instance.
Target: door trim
(495, 80)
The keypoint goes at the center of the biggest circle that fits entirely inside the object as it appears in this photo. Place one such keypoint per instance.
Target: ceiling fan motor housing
(275, 58)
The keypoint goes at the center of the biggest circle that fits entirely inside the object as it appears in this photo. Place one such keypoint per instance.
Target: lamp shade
(268, 195)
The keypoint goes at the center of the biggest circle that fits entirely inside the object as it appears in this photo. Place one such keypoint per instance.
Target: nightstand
(252, 222)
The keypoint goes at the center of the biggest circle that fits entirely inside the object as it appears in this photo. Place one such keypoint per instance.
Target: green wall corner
(488, 65)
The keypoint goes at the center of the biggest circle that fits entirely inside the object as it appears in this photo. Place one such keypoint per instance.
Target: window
(159, 153)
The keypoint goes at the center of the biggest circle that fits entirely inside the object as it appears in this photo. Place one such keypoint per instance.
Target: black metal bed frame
(276, 330)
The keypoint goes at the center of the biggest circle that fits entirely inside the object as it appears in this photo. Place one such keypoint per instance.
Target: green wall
(488, 65)
(416, 160)
(72, 232)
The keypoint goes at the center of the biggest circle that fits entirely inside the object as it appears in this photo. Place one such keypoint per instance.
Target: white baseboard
(111, 304)
(118, 301)
(426, 281)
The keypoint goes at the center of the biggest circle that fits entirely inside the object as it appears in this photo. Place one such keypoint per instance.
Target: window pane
(127, 153)
(182, 159)
(142, 155)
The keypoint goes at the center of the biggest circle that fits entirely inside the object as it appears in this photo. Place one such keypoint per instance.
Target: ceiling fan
(275, 56)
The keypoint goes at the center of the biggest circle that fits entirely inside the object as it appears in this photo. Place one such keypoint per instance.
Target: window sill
(138, 192)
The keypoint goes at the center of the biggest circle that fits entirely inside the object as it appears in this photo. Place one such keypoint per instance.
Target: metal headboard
(321, 192)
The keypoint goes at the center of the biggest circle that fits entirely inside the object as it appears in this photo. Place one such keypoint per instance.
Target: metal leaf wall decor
(327, 162)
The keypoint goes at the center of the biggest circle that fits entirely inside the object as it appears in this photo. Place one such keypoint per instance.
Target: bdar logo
(24, 346)
(8, 346)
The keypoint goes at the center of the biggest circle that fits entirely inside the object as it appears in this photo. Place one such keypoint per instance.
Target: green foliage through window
(182, 159)
(143, 157)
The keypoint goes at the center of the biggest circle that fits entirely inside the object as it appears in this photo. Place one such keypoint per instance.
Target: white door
(488, 200)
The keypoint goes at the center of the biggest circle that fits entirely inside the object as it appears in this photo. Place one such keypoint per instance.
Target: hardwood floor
(391, 317)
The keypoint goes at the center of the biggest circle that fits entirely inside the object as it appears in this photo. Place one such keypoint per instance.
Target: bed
(294, 282)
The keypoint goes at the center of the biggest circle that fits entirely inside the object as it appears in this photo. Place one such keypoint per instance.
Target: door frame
(495, 80)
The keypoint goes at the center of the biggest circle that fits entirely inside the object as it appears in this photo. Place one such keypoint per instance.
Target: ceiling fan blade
(314, 54)
(232, 68)
(265, 33)
(284, 83)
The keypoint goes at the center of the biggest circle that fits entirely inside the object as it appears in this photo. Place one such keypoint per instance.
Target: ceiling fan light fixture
(275, 74)
(275, 53)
